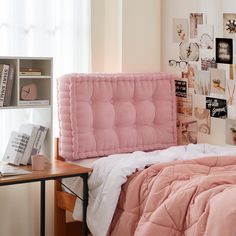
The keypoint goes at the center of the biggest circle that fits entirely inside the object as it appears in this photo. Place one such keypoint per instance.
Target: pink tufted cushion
(102, 114)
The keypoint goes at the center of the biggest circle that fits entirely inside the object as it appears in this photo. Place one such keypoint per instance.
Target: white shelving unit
(39, 114)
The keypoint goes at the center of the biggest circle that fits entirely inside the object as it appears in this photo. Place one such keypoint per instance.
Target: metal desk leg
(85, 203)
(42, 208)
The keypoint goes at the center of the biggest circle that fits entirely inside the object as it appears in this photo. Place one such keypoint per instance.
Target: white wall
(125, 35)
(181, 9)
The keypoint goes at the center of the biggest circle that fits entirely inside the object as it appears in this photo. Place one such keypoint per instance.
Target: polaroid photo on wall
(195, 20)
(187, 130)
(202, 116)
(190, 74)
(231, 92)
(217, 107)
(224, 50)
(218, 81)
(180, 30)
(188, 51)
(207, 59)
(206, 36)
(185, 105)
(230, 131)
(202, 83)
(229, 25)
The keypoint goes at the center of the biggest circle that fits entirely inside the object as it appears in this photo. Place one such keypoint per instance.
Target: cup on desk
(38, 162)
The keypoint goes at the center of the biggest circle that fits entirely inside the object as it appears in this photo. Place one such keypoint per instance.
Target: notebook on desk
(7, 170)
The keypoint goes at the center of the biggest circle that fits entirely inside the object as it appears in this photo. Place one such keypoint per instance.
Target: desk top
(54, 170)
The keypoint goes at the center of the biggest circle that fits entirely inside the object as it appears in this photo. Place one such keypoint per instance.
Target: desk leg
(85, 204)
(42, 208)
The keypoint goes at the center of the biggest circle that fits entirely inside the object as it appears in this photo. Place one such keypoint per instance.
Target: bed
(128, 122)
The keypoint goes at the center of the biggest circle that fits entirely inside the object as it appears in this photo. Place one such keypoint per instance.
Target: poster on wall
(207, 59)
(231, 131)
(186, 130)
(180, 30)
(202, 83)
(206, 36)
(185, 105)
(230, 92)
(224, 50)
(229, 25)
(190, 74)
(189, 51)
(217, 107)
(195, 20)
(218, 81)
(202, 116)
(181, 88)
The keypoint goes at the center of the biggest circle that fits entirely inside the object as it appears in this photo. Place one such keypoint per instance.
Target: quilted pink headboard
(102, 114)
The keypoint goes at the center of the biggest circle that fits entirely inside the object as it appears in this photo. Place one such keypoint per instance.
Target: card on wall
(202, 83)
(190, 74)
(224, 50)
(202, 116)
(206, 36)
(229, 25)
(231, 131)
(217, 107)
(195, 20)
(207, 59)
(186, 129)
(181, 88)
(188, 51)
(180, 30)
(218, 81)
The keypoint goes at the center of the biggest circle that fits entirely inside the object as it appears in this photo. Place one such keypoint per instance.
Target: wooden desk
(55, 170)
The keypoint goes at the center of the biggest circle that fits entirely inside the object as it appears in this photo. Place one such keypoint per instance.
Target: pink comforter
(195, 197)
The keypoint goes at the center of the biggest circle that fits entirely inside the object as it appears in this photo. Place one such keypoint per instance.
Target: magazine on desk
(7, 170)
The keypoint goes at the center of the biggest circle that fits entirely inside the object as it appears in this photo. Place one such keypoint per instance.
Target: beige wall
(125, 35)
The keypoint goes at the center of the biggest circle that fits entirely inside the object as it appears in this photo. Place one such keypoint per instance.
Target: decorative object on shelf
(189, 51)
(30, 71)
(29, 92)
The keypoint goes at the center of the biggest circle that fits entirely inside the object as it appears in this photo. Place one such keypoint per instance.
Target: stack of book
(6, 84)
(25, 143)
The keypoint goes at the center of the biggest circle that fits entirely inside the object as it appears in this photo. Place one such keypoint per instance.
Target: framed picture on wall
(224, 50)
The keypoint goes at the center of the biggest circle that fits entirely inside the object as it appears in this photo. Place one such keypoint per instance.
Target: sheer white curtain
(54, 28)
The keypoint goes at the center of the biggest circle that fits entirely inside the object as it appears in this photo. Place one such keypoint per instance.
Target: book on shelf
(33, 73)
(39, 140)
(8, 170)
(30, 71)
(34, 102)
(32, 131)
(4, 70)
(16, 147)
(10, 82)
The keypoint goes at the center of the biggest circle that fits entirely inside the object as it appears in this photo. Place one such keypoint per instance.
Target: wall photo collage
(206, 68)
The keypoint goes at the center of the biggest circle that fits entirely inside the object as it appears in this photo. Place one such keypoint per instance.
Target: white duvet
(109, 173)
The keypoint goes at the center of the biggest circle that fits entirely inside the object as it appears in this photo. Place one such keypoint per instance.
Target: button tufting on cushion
(102, 114)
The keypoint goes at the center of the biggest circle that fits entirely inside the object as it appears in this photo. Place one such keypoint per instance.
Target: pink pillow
(103, 114)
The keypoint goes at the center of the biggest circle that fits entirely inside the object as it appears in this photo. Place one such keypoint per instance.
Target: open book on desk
(8, 170)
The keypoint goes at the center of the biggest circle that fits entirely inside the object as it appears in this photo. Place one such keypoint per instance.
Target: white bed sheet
(109, 173)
